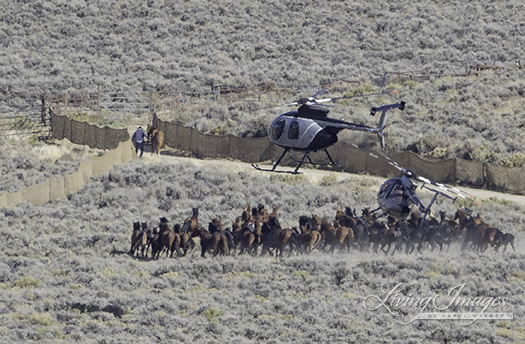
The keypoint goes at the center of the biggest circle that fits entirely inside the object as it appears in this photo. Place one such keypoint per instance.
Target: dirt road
(316, 176)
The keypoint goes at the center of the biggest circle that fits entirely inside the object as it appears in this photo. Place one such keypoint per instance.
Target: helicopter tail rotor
(382, 120)
(380, 129)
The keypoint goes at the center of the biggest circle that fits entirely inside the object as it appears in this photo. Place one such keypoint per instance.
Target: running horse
(157, 139)
(191, 223)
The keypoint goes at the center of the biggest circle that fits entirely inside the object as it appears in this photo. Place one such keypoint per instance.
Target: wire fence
(35, 119)
(30, 119)
(141, 102)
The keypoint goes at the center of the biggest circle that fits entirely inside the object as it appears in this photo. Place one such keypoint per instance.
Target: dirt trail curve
(314, 175)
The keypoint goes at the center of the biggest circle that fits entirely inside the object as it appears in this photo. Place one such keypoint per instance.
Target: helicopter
(309, 129)
(397, 195)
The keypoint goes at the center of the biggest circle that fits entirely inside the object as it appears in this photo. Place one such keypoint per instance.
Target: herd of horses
(256, 231)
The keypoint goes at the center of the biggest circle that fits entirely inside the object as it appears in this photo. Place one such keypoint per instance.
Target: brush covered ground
(65, 274)
(26, 161)
(128, 47)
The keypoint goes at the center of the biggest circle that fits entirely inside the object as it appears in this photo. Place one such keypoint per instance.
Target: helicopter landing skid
(321, 163)
(299, 163)
(275, 164)
(259, 168)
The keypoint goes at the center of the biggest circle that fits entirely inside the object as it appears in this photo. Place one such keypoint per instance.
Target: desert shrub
(44, 319)
(516, 160)
(328, 180)
(481, 153)
(27, 282)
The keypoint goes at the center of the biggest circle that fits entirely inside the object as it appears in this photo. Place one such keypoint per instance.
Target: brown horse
(192, 222)
(169, 241)
(186, 241)
(382, 236)
(336, 236)
(157, 139)
(246, 215)
(246, 235)
(310, 236)
(260, 213)
(216, 242)
(344, 232)
(215, 226)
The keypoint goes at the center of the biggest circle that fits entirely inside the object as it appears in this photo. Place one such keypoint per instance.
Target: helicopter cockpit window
(293, 131)
(277, 129)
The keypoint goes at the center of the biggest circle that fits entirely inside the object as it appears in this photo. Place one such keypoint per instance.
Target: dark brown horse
(247, 237)
(186, 241)
(382, 236)
(156, 137)
(139, 239)
(449, 230)
(274, 237)
(474, 229)
(503, 239)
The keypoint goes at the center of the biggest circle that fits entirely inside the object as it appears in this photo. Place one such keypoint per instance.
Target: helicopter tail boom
(377, 130)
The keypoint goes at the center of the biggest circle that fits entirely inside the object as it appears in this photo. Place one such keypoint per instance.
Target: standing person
(138, 138)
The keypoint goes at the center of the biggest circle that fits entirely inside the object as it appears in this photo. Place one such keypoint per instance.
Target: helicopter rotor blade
(267, 107)
(313, 101)
(446, 189)
(321, 91)
(364, 95)
(390, 161)
(325, 100)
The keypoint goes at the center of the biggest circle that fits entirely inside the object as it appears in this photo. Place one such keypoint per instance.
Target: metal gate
(32, 119)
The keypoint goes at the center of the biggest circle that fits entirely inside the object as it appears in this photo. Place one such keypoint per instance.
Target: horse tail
(229, 238)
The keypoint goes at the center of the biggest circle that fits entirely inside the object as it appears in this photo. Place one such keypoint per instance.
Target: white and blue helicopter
(309, 129)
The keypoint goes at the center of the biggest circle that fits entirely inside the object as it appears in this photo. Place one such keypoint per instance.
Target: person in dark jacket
(138, 139)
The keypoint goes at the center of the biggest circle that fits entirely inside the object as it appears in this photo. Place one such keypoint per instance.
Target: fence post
(65, 102)
(98, 101)
(150, 117)
(43, 111)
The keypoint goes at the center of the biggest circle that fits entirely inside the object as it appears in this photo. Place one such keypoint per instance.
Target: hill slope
(55, 45)
(66, 276)
(128, 46)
